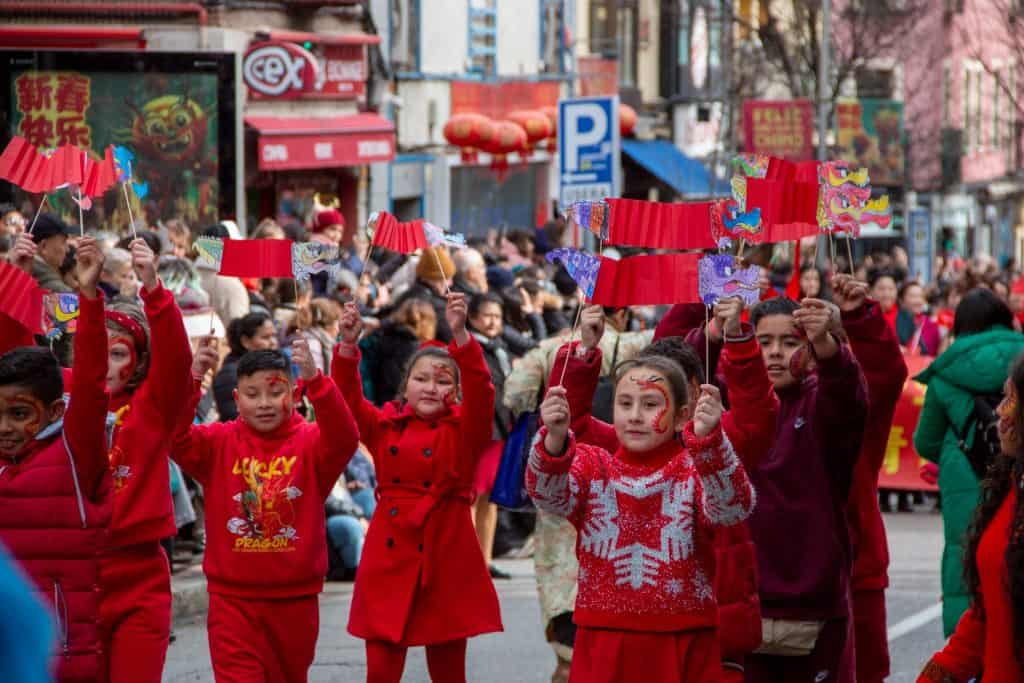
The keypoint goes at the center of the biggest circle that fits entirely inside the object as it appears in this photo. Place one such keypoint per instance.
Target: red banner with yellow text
(901, 468)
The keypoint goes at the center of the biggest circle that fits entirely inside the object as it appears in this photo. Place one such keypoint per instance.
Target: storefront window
(481, 201)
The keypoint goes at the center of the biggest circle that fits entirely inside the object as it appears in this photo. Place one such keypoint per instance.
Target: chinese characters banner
(168, 122)
(870, 135)
(901, 468)
(780, 129)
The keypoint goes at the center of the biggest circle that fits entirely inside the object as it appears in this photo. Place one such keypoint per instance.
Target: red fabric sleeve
(581, 378)
(85, 422)
(962, 656)
(680, 320)
(477, 407)
(754, 408)
(345, 373)
(169, 379)
(192, 445)
(841, 408)
(13, 334)
(338, 436)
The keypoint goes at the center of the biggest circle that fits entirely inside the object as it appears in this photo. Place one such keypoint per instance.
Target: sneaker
(498, 573)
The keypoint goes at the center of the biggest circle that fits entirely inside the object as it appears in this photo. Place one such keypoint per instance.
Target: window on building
(684, 32)
(405, 35)
(979, 82)
(947, 84)
(874, 83)
(602, 28)
(996, 133)
(552, 32)
(715, 34)
(627, 44)
(614, 32)
(483, 37)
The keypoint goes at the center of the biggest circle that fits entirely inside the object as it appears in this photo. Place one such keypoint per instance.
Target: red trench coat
(422, 578)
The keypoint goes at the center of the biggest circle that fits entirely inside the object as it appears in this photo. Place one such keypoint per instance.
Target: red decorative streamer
(257, 258)
(647, 280)
(636, 223)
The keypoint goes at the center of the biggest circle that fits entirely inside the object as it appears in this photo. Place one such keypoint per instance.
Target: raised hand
(819, 319)
(88, 265)
(144, 263)
(303, 358)
(591, 326)
(205, 358)
(848, 293)
(23, 253)
(554, 412)
(455, 313)
(708, 411)
(351, 324)
(727, 316)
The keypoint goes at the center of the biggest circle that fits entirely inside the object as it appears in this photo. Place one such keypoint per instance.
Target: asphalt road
(520, 655)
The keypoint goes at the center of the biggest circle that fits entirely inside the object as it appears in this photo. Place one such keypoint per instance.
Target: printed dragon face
(170, 128)
(844, 195)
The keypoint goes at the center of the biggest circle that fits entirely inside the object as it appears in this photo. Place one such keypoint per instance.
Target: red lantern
(552, 114)
(627, 119)
(534, 123)
(469, 131)
(508, 137)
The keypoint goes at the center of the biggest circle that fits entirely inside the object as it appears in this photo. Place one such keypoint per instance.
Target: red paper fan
(636, 223)
(100, 176)
(21, 164)
(405, 238)
(647, 280)
(23, 299)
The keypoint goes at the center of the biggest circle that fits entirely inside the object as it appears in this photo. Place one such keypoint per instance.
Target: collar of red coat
(655, 458)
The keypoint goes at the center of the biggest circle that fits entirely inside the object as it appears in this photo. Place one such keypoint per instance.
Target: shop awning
(288, 143)
(666, 162)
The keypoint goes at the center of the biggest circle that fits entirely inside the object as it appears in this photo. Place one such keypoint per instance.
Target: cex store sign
(280, 70)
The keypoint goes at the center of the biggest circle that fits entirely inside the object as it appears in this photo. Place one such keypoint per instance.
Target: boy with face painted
(148, 363)
(803, 484)
(266, 476)
(55, 486)
(422, 579)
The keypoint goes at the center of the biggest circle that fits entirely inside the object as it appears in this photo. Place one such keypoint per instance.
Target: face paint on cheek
(443, 373)
(125, 373)
(279, 380)
(34, 423)
(659, 424)
(1006, 412)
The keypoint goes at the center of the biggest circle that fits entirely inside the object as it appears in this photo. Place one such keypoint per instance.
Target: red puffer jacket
(55, 506)
(750, 426)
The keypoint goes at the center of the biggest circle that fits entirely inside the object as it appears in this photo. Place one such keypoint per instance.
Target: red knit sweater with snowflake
(645, 547)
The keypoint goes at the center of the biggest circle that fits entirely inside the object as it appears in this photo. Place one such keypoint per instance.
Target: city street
(520, 655)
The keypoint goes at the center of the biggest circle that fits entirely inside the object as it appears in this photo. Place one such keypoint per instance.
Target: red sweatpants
(385, 662)
(871, 639)
(262, 641)
(135, 616)
(609, 656)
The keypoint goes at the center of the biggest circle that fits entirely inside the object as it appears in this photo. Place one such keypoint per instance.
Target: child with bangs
(422, 579)
(645, 514)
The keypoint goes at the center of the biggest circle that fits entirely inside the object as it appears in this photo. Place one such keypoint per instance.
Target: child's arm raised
(337, 434)
(85, 423)
(728, 495)
(754, 408)
(478, 394)
(192, 445)
(345, 373)
(551, 478)
(168, 381)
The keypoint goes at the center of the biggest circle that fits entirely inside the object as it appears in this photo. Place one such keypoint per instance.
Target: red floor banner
(901, 469)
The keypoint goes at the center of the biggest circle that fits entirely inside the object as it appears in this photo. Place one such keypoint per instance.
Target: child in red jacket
(266, 476)
(54, 480)
(749, 425)
(646, 608)
(148, 370)
(422, 579)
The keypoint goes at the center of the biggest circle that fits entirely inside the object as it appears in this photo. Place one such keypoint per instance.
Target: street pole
(822, 251)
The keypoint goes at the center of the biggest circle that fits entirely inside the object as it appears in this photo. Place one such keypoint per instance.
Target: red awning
(72, 37)
(320, 38)
(322, 142)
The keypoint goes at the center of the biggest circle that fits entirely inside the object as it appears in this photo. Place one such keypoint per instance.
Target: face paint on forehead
(659, 424)
(33, 405)
(276, 379)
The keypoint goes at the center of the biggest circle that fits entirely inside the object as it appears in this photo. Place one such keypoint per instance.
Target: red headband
(134, 328)
(433, 344)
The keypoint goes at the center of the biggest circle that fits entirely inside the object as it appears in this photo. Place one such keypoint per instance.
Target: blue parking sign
(588, 149)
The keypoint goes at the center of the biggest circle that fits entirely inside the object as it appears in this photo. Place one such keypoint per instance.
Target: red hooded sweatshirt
(265, 493)
(142, 436)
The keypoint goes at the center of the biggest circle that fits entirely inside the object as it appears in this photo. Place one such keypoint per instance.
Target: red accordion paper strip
(257, 258)
(405, 238)
(636, 223)
(22, 300)
(100, 176)
(647, 280)
(21, 164)
(789, 209)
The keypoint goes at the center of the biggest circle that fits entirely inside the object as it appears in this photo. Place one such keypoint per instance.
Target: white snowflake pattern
(554, 493)
(674, 587)
(721, 504)
(637, 564)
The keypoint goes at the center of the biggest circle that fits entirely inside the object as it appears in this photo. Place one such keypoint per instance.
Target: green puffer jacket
(973, 365)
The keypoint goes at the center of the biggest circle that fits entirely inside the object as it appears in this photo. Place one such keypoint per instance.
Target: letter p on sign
(575, 139)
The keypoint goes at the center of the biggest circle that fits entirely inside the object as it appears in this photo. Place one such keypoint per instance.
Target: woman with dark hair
(813, 284)
(976, 364)
(990, 636)
(918, 333)
(884, 290)
(251, 332)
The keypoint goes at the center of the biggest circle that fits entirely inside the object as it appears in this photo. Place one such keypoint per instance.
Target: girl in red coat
(148, 371)
(646, 609)
(422, 579)
(990, 635)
